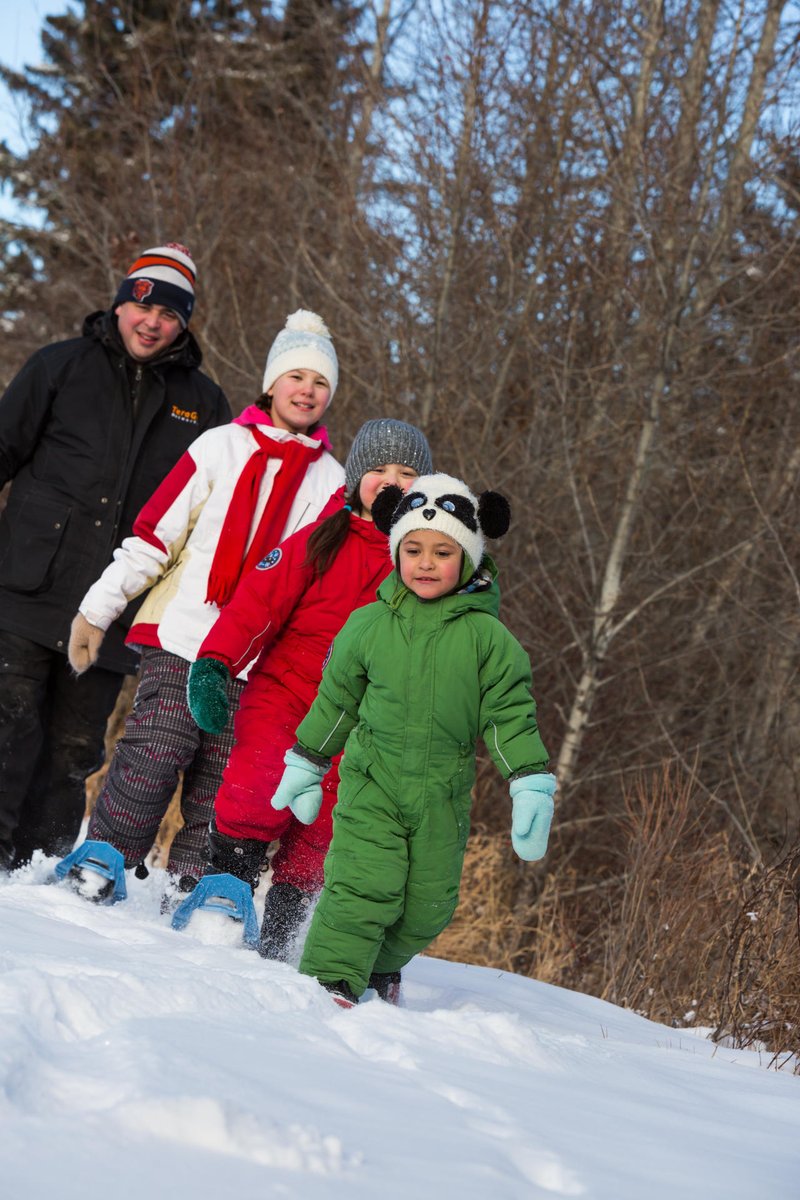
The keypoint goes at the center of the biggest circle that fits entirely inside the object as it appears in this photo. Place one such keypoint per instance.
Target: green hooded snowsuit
(410, 687)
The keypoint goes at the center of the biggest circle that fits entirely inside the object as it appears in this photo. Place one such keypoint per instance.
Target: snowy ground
(137, 1061)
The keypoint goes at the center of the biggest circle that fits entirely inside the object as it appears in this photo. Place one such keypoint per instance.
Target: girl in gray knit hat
(283, 618)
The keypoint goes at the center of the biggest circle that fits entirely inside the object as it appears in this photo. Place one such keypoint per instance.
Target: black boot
(178, 887)
(241, 857)
(386, 985)
(285, 909)
(341, 992)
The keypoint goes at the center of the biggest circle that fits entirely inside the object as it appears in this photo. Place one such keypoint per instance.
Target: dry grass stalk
(761, 1000)
(659, 910)
(487, 929)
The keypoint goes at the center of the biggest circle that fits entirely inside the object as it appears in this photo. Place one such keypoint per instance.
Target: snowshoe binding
(224, 893)
(96, 871)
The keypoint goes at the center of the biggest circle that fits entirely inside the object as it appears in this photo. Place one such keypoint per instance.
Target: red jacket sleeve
(262, 603)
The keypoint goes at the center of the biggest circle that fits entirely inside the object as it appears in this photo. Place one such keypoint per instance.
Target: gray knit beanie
(386, 441)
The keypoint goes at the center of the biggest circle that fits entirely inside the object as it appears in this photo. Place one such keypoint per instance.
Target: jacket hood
(369, 532)
(487, 599)
(184, 351)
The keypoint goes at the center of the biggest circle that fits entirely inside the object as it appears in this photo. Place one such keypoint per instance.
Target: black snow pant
(52, 734)
(160, 740)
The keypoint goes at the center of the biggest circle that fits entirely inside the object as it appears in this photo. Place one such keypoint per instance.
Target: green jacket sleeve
(334, 713)
(508, 711)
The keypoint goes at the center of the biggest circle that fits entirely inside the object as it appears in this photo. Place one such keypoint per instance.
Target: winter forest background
(562, 237)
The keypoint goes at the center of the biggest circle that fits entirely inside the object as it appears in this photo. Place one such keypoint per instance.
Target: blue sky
(20, 24)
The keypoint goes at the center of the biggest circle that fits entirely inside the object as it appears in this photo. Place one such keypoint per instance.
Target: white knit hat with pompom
(304, 343)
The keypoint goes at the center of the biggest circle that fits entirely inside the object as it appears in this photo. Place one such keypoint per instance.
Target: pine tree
(210, 122)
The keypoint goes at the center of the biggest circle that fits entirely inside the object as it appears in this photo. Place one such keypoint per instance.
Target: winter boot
(340, 991)
(177, 887)
(285, 910)
(241, 857)
(386, 985)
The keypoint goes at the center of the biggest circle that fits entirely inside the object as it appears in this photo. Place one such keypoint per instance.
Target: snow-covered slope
(140, 1062)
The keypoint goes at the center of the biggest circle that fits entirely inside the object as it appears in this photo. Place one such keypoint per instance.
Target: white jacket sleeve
(159, 535)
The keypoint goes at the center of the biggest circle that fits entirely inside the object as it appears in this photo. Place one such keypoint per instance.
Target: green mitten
(207, 694)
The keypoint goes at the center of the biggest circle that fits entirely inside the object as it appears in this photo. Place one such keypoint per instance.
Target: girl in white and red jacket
(238, 491)
(285, 616)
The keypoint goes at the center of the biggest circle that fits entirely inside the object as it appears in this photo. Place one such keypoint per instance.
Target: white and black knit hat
(445, 504)
(162, 275)
(304, 344)
(385, 440)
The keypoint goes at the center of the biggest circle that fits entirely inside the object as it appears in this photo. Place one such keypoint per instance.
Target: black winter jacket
(86, 435)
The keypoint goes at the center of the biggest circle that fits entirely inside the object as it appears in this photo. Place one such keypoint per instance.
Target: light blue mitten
(300, 788)
(531, 814)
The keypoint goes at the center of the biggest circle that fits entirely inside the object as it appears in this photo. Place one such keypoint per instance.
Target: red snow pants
(264, 729)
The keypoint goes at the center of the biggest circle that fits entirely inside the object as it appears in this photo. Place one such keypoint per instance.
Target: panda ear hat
(494, 514)
(446, 504)
(383, 507)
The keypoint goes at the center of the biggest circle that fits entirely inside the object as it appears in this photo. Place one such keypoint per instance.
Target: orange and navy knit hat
(162, 275)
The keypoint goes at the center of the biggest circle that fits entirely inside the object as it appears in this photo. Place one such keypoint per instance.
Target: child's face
(299, 398)
(429, 563)
(378, 478)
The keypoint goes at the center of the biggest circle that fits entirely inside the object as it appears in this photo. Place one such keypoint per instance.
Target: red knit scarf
(230, 562)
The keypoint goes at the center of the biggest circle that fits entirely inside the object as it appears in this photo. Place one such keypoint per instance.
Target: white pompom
(304, 321)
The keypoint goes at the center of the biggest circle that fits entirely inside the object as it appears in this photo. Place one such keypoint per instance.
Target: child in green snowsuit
(413, 681)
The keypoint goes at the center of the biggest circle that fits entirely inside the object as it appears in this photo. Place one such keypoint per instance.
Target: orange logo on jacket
(184, 414)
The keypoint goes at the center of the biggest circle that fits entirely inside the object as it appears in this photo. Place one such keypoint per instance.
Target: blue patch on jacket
(272, 560)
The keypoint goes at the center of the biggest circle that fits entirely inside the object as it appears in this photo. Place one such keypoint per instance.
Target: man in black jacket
(88, 430)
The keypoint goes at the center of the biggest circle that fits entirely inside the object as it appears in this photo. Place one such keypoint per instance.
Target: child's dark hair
(328, 538)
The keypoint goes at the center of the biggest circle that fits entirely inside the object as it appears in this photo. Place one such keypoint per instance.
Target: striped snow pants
(160, 741)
